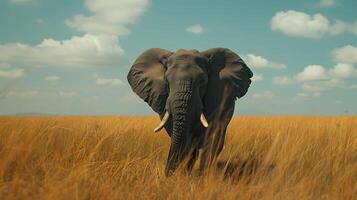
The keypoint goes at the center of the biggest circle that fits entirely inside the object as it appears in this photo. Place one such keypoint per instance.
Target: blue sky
(72, 57)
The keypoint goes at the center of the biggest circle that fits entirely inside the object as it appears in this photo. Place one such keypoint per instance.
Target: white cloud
(21, 1)
(318, 73)
(109, 16)
(195, 29)
(67, 94)
(340, 27)
(294, 23)
(52, 78)
(339, 102)
(109, 81)
(255, 61)
(310, 87)
(39, 21)
(353, 86)
(343, 71)
(321, 86)
(257, 77)
(307, 95)
(333, 82)
(300, 24)
(263, 95)
(4, 66)
(346, 54)
(316, 79)
(282, 80)
(97, 47)
(312, 73)
(301, 94)
(89, 50)
(327, 3)
(316, 94)
(22, 94)
(14, 73)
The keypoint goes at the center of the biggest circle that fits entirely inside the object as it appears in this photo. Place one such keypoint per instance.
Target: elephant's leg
(203, 159)
(175, 158)
(215, 136)
(213, 146)
(192, 160)
(168, 167)
(207, 156)
(218, 143)
(205, 151)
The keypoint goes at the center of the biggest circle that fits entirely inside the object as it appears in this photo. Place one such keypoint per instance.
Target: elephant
(194, 94)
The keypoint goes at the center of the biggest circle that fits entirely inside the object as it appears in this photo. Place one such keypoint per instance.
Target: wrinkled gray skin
(187, 83)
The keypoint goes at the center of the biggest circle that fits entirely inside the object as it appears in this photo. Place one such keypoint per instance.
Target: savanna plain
(265, 157)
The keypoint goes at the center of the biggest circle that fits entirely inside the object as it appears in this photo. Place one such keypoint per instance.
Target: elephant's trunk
(179, 138)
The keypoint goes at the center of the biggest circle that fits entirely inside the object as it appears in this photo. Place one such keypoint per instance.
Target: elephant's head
(185, 86)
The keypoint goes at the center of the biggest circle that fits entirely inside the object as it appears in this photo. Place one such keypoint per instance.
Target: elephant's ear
(146, 78)
(229, 77)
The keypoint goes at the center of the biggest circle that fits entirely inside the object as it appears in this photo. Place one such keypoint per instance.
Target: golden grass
(121, 158)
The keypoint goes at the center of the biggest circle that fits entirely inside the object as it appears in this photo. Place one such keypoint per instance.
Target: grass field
(121, 158)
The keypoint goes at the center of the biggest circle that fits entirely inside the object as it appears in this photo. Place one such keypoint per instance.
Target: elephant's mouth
(166, 117)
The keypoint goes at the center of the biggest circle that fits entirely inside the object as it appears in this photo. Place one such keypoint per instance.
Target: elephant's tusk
(163, 122)
(203, 120)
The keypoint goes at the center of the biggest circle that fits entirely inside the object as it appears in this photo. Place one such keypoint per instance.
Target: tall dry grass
(121, 158)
